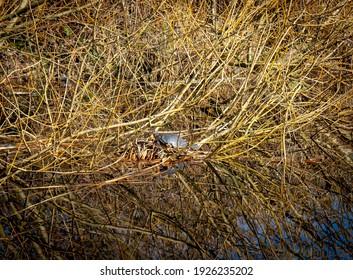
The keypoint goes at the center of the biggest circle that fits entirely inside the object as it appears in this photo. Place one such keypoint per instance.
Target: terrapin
(171, 139)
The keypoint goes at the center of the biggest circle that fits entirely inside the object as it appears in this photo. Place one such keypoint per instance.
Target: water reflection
(202, 209)
(171, 170)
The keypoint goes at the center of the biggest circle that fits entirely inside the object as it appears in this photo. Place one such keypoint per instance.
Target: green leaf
(68, 31)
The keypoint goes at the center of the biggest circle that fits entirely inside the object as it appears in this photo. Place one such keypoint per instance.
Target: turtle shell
(171, 139)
